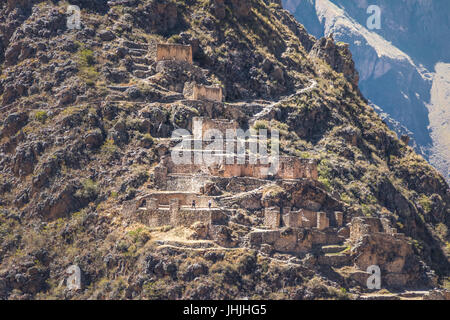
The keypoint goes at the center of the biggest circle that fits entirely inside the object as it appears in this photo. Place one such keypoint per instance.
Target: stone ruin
(316, 223)
(361, 227)
(176, 52)
(298, 231)
(307, 229)
(289, 168)
(302, 218)
(211, 93)
(174, 209)
(216, 124)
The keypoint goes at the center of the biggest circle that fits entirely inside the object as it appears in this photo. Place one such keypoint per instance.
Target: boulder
(13, 123)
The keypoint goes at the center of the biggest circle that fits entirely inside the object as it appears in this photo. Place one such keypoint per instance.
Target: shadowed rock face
(395, 63)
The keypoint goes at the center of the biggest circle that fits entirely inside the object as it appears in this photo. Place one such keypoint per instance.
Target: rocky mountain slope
(85, 119)
(396, 63)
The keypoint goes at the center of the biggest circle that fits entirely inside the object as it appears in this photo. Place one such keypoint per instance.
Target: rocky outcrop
(338, 56)
(399, 265)
(157, 15)
(13, 123)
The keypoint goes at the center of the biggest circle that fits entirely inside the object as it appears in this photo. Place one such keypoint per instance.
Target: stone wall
(361, 226)
(188, 182)
(149, 212)
(272, 217)
(164, 198)
(290, 167)
(302, 218)
(175, 52)
(216, 124)
(293, 240)
(210, 93)
(322, 221)
(394, 255)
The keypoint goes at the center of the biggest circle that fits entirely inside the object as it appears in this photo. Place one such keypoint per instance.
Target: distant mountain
(396, 63)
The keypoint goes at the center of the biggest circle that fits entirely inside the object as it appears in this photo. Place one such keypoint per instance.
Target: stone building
(176, 52)
(174, 209)
(288, 167)
(302, 218)
(211, 93)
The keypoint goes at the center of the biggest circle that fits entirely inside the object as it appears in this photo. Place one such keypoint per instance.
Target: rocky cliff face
(84, 125)
(395, 63)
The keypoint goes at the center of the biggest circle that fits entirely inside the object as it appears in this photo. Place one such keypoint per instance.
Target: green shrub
(41, 116)
(87, 57)
(260, 124)
(89, 190)
(425, 203)
(157, 290)
(174, 39)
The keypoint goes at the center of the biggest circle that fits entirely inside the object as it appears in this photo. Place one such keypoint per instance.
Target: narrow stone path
(271, 106)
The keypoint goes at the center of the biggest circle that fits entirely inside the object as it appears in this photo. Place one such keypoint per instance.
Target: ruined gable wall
(360, 227)
(296, 168)
(175, 52)
(218, 124)
(309, 218)
(201, 92)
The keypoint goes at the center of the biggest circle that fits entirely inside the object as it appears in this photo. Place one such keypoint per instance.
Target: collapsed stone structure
(173, 209)
(176, 52)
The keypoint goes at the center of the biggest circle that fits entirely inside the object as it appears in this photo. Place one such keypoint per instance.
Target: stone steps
(333, 249)
(135, 45)
(137, 52)
(141, 60)
(335, 260)
(138, 66)
(141, 74)
(120, 88)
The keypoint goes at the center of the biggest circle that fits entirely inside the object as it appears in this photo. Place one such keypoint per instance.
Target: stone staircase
(333, 249)
(336, 256)
(141, 67)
